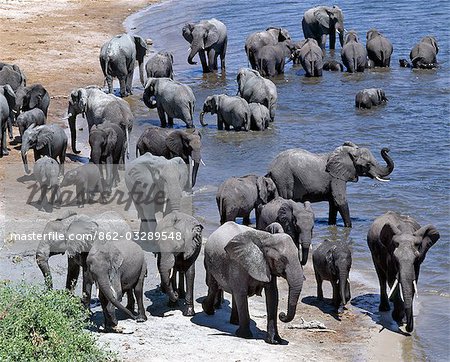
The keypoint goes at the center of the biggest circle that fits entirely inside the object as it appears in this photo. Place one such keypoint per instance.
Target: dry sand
(56, 43)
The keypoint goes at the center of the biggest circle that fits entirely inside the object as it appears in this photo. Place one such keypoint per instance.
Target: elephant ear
(284, 215)
(211, 36)
(329, 257)
(187, 32)
(34, 101)
(176, 142)
(10, 96)
(340, 164)
(111, 139)
(195, 241)
(262, 189)
(244, 249)
(141, 48)
(387, 234)
(116, 260)
(323, 17)
(44, 137)
(428, 236)
(80, 235)
(81, 98)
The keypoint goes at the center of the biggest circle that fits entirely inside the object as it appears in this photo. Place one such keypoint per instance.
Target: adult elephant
(310, 56)
(244, 261)
(209, 39)
(98, 107)
(256, 89)
(304, 176)
(160, 65)
(353, 53)
(170, 144)
(7, 103)
(117, 59)
(31, 97)
(379, 48)
(423, 55)
(399, 246)
(155, 184)
(321, 21)
(11, 74)
(271, 59)
(256, 41)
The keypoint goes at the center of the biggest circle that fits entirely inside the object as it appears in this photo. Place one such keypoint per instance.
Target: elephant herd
(239, 259)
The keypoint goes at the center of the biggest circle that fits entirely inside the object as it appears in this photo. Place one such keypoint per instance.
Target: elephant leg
(162, 117)
(123, 86)
(234, 317)
(139, 294)
(109, 81)
(129, 81)
(212, 60)
(322, 40)
(213, 290)
(165, 264)
(43, 193)
(202, 55)
(10, 128)
(319, 286)
(222, 54)
(332, 213)
(109, 313)
(73, 271)
(244, 316)
(246, 220)
(190, 276)
(271, 291)
(219, 122)
(384, 301)
(339, 195)
(218, 299)
(170, 121)
(87, 283)
(130, 300)
(180, 289)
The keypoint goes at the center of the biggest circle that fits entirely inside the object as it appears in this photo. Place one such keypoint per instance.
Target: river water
(319, 115)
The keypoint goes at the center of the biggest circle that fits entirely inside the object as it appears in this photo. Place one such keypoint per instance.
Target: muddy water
(319, 115)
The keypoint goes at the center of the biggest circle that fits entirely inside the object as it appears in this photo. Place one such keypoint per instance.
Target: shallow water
(319, 115)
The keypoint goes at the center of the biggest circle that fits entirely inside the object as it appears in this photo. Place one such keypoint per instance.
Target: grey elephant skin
(399, 246)
(423, 54)
(177, 254)
(238, 196)
(46, 172)
(171, 98)
(118, 58)
(333, 66)
(45, 140)
(170, 144)
(259, 117)
(7, 103)
(353, 53)
(257, 40)
(209, 39)
(98, 107)
(297, 220)
(271, 59)
(107, 150)
(26, 119)
(256, 89)
(231, 112)
(87, 179)
(371, 97)
(160, 65)
(31, 97)
(244, 261)
(332, 261)
(321, 21)
(379, 48)
(303, 176)
(11, 74)
(310, 55)
(155, 184)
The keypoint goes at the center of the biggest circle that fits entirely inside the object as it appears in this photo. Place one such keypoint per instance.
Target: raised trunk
(379, 171)
(295, 282)
(73, 132)
(106, 288)
(202, 115)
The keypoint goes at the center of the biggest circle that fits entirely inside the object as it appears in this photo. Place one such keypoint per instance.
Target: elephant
(353, 53)
(297, 220)
(11, 74)
(404, 63)
(160, 66)
(259, 117)
(256, 89)
(303, 176)
(172, 98)
(7, 103)
(333, 66)
(332, 261)
(98, 107)
(26, 119)
(295, 54)
(45, 140)
(86, 178)
(170, 144)
(33, 96)
(272, 58)
(209, 39)
(238, 196)
(256, 41)
(310, 56)
(118, 58)
(178, 254)
(399, 246)
(117, 267)
(231, 111)
(379, 48)
(371, 97)
(423, 55)
(46, 172)
(107, 148)
(244, 261)
(321, 21)
(155, 184)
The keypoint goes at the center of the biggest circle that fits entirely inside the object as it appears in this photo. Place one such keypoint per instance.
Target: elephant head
(77, 104)
(339, 262)
(243, 76)
(280, 34)
(102, 140)
(349, 161)
(298, 222)
(267, 190)
(211, 105)
(372, 33)
(263, 256)
(432, 41)
(186, 144)
(141, 51)
(36, 138)
(351, 36)
(408, 250)
(332, 20)
(201, 36)
(151, 87)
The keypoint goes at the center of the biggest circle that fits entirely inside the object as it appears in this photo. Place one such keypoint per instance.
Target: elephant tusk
(393, 289)
(337, 31)
(381, 179)
(171, 273)
(113, 291)
(415, 289)
(192, 163)
(401, 294)
(348, 281)
(201, 161)
(189, 49)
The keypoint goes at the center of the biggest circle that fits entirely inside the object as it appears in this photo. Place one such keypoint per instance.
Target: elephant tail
(382, 56)
(137, 150)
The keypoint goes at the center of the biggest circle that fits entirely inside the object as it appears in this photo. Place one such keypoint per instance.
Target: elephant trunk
(305, 242)
(305, 253)
(73, 132)
(194, 172)
(141, 73)
(195, 47)
(407, 293)
(42, 262)
(24, 159)
(295, 281)
(343, 277)
(202, 115)
(381, 172)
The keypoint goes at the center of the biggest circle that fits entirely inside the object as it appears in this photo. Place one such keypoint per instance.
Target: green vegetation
(41, 325)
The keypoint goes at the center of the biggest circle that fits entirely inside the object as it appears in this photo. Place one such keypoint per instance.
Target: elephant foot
(274, 339)
(384, 307)
(189, 311)
(207, 308)
(182, 295)
(141, 318)
(244, 333)
(172, 304)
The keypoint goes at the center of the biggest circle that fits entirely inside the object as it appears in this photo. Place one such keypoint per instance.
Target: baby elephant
(423, 55)
(87, 179)
(231, 111)
(371, 97)
(238, 196)
(46, 172)
(160, 66)
(333, 66)
(34, 116)
(332, 261)
(259, 117)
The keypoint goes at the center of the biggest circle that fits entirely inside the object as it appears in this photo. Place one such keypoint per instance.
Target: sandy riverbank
(57, 43)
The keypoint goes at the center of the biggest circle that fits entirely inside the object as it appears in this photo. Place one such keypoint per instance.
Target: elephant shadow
(220, 321)
(325, 305)
(159, 306)
(77, 158)
(97, 318)
(368, 304)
